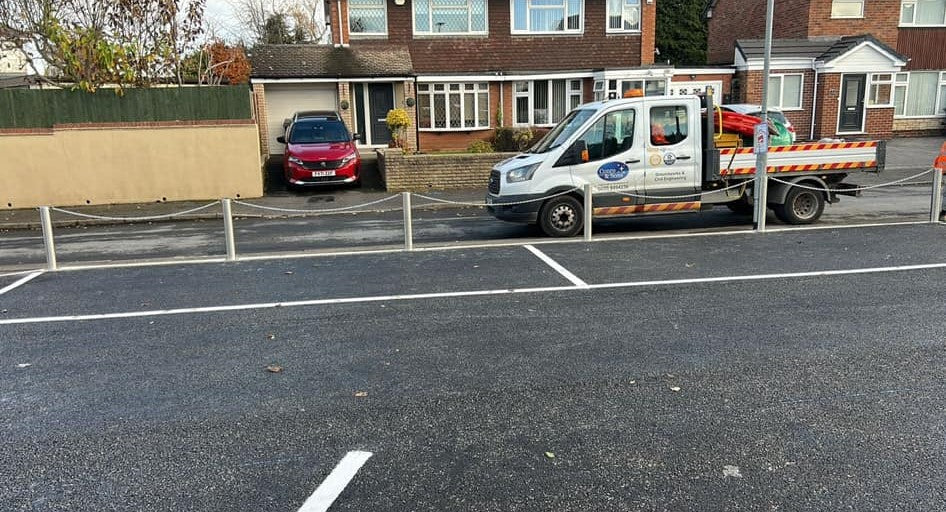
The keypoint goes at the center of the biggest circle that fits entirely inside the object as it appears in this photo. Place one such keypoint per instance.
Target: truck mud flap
(847, 189)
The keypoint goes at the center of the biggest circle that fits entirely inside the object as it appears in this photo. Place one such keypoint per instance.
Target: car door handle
(633, 161)
(684, 157)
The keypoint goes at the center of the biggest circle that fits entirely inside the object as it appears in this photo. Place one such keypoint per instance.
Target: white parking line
(20, 282)
(335, 483)
(475, 293)
(575, 280)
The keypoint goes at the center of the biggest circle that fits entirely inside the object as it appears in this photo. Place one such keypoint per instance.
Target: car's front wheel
(561, 217)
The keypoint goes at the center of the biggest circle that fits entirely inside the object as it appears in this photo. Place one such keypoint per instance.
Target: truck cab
(633, 152)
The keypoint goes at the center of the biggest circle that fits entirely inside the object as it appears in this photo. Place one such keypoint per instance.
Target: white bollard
(228, 229)
(588, 210)
(936, 204)
(48, 241)
(408, 227)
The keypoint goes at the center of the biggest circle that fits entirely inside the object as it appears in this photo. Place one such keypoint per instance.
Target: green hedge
(43, 108)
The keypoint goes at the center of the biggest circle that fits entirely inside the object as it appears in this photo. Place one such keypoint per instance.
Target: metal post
(228, 229)
(48, 241)
(936, 205)
(408, 226)
(587, 212)
(761, 159)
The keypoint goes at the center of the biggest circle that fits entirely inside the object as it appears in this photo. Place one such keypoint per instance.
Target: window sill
(847, 17)
(573, 33)
(454, 130)
(365, 35)
(850, 133)
(798, 109)
(623, 32)
(445, 35)
(934, 116)
(879, 106)
(922, 26)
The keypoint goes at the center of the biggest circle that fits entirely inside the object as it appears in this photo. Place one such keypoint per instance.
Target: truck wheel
(802, 206)
(561, 216)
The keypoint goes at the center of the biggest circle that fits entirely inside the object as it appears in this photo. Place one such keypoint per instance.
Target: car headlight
(294, 160)
(521, 173)
(348, 158)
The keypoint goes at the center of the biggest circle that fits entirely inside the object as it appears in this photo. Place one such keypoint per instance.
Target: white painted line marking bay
(335, 483)
(575, 280)
(20, 282)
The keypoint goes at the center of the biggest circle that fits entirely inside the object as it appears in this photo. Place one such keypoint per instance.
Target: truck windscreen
(562, 131)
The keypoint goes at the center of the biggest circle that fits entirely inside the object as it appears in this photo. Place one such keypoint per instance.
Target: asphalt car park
(790, 370)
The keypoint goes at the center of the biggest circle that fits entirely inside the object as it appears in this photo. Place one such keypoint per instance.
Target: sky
(220, 14)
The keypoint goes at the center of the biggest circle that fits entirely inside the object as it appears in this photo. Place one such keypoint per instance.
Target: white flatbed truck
(658, 155)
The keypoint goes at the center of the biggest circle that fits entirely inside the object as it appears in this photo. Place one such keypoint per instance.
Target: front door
(380, 101)
(851, 115)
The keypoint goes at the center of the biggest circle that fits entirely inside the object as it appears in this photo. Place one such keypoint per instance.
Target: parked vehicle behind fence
(319, 151)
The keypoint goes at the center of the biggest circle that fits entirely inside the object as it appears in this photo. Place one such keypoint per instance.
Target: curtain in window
(547, 20)
(540, 101)
(615, 8)
(774, 91)
(558, 100)
(791, 91)
(921, 97)
(520, 14)
(930, 12)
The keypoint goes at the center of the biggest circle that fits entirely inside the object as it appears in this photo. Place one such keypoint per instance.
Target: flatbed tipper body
(658, 155)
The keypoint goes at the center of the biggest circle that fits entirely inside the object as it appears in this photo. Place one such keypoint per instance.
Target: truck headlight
(521, 173)
(294, 160)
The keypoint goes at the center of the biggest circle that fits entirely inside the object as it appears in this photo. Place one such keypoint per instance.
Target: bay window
(920, 94)
(453, 106)
(923, 13)
(624, 15)
(544, 102)
(449, 16)
(368, 17)
(546, 16)
(785, 91)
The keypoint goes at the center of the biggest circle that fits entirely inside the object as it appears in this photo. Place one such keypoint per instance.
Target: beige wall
(129, 164)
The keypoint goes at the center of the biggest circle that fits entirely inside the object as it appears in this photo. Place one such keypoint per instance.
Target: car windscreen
(318, 131)
(562, 131)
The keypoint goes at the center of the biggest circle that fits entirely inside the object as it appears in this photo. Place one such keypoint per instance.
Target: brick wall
(924, 46)
(879, 123)
(745, 19)
(419, 173)
(262, 117)
(881, 18)
(502, 51)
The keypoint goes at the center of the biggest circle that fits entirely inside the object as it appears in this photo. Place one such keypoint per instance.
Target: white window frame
(904, 83)
(431, 93)
(781, 92)
(368, 34)
(874, 79)
(529, 7)
(469, 14)
(859, 15)
(912, 21)
(528, 93)
(622, 30)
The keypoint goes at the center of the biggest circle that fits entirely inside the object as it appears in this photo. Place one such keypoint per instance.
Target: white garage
(282, 100)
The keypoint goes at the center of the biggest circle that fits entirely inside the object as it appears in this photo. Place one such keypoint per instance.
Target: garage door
(282, 100)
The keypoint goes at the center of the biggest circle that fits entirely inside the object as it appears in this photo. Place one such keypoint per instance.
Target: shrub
(512, 139)
(397, 122)
(480, 146)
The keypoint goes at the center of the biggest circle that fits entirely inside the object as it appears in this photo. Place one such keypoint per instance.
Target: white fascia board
(327, 80)
(703, 71)
(758, 64)
(633, 74)
(500, 78)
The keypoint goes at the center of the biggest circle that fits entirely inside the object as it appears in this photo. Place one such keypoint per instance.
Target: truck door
(615, 158)
(673, 156)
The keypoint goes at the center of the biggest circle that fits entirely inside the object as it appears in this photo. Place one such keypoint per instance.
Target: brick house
(476, 65)
(841, 68)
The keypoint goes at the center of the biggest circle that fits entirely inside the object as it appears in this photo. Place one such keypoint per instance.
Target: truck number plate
(318, 174)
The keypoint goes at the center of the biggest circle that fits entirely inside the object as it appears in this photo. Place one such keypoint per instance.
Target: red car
(320, 151)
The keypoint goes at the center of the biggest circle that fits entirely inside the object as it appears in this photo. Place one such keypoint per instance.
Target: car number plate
(318, 174)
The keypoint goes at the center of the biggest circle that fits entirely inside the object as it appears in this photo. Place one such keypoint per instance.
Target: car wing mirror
(356, 137)
(281, 139)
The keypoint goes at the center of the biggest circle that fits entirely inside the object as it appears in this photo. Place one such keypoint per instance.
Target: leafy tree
(90, 43)
(681, 32)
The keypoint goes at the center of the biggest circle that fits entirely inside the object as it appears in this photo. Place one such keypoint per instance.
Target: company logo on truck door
(613, 171)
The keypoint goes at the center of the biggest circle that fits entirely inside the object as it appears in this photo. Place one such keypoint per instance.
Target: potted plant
(398, 121)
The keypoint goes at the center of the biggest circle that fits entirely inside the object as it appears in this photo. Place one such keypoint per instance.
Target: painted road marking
(335, 483)
(475, 293)
(575, 280)
(20, 282)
